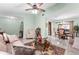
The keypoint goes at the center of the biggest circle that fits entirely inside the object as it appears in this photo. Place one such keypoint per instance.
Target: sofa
(3, 46)
(15, 46)
(76, 43)
(18, 47)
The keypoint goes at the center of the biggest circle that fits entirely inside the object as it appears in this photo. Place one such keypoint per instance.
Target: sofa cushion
(5, 37)
(14, 40)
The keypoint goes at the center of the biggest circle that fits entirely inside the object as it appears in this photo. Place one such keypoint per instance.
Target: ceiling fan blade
(28, 9)
(40, 4)
(30, 4)
(41, 9)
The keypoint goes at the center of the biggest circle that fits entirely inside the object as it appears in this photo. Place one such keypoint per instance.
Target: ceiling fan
(36, 6)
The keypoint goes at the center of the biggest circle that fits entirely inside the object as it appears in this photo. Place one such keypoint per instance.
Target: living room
(39, 28)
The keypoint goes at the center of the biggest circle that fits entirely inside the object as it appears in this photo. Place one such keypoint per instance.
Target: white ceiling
(18, 9)
(14, 9)
(64, 11)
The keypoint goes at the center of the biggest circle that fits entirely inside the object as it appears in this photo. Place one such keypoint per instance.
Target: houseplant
(76, 28)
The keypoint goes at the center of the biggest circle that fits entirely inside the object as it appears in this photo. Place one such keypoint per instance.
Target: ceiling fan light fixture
(35, 11)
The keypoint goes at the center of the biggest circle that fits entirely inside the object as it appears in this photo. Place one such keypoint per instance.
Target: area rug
(19, 50)
(57, 50)
(52, 50)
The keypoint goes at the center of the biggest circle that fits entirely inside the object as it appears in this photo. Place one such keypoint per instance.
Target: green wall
(76, 21)
(10, 26)
(29, 23)
(40, 21)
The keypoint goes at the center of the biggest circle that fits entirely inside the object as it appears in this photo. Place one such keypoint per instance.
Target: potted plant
(76, 28)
